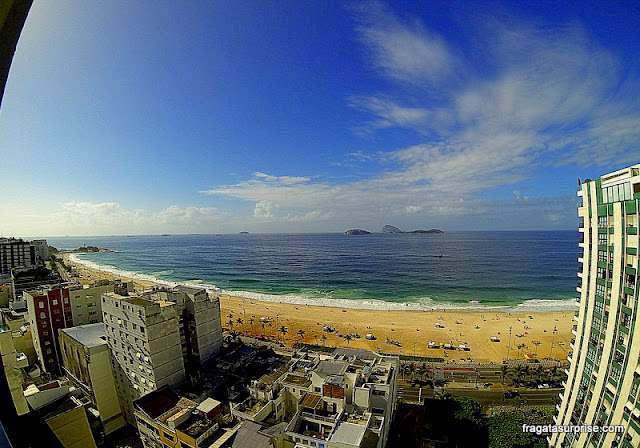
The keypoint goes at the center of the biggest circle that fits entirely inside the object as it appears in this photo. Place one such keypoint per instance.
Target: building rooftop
(297, 380)
(248, 436)
(156, 403)
(138, 301)
(358, 353)
(348, 433)
(331, 367)
(195, 425)
(208, 405)
(91, 335)
(59, 407)
(311, 400)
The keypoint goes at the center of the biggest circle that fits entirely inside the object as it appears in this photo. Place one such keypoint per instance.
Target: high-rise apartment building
(159, 338)
(15, 252)
(603, 381)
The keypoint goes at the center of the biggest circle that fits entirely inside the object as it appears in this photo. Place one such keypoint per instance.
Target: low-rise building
(165, 419)
(344, 400)
(86, 360)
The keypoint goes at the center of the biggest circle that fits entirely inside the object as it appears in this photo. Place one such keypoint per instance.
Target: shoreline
(413, 329)
(528, 306)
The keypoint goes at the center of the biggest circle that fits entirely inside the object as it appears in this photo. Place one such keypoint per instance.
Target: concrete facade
(86, 361)
(64, 408)
(146, 351)
(603, 381)
(65, 306)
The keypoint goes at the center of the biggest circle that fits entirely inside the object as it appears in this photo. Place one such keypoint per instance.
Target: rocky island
(357, 232)
(427, 231)
(85, 249)
(390, 229)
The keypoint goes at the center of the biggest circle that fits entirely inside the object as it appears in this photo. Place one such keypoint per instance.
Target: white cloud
(265, 209)
(405, 51)
(287, 180)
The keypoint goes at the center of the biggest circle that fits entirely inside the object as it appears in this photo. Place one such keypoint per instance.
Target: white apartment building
(144, 339)
(159, 338)
(603, 384)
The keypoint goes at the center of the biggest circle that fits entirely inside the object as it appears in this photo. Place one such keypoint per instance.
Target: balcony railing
(322, 418)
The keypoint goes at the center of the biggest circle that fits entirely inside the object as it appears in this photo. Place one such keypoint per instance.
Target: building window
(41, 305)
(54, 301)
(599, 307)
(43, 324)
(43, 316)
(66, 300)
(602, 221)
(625, 320)
(602, 239)
(602, 256)
(602, 273)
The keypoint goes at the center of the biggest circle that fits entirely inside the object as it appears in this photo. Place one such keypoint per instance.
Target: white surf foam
(416, 304)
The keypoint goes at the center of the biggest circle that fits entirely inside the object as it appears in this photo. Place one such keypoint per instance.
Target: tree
(301, 334)
(468, 413)
(324, 340)
(251, 321)
(348, 337)
(505, 431)
(284, 330)
(239, 321)
(504, 370)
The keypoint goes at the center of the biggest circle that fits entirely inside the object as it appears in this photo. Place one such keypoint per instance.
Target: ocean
(519, 271)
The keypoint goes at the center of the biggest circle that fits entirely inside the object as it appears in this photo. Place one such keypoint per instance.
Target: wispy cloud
(547, 96)
(404, 50)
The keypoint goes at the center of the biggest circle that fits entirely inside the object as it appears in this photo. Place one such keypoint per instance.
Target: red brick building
(49, 311)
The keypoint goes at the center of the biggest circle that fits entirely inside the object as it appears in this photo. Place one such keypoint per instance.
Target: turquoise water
(537, 269)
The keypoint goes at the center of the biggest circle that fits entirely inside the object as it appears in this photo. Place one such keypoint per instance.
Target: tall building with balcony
(603, 381)
(159, 338)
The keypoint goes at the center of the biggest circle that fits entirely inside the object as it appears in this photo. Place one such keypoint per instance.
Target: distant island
(91, 249)
(244, 232)
(357, 232)
(393, 229)
(390, 229)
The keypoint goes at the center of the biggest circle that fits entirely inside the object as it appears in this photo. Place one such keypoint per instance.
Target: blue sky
(128, 117)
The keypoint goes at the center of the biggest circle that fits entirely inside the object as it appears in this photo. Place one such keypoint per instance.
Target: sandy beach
(531, 333)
